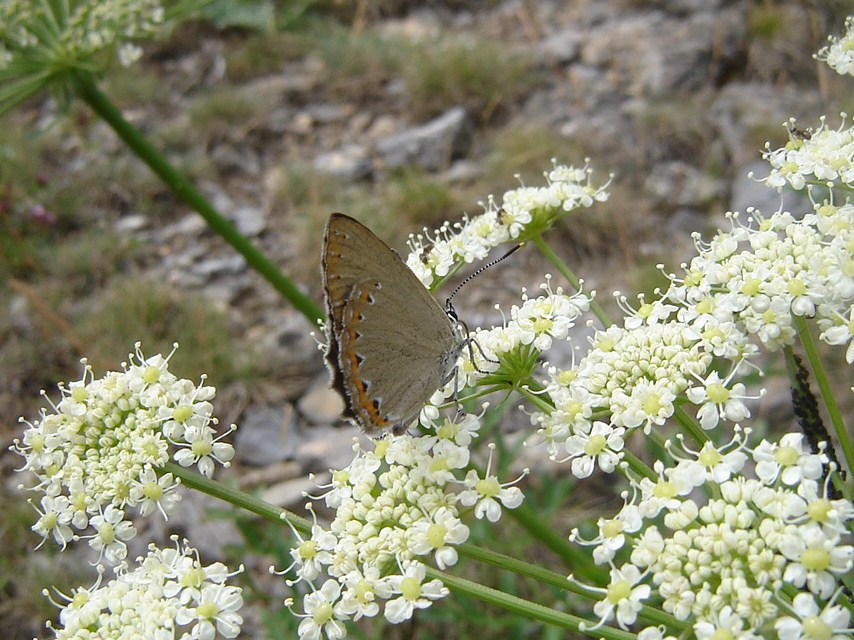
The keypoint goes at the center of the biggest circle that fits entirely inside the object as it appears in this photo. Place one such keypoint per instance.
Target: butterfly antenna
(449, 307)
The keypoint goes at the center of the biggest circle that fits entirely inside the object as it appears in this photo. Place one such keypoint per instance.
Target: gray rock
(133, 222)
(291, 493)
(249, 220)
(194, 519)
(324, 448)
(679, 184)
(320, 404)
(219, 266)
(349, 162)
(561, 47)
(430, 146)
(749, 192)
(265, 435)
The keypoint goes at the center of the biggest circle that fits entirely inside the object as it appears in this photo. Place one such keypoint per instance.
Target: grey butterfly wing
(390, 343)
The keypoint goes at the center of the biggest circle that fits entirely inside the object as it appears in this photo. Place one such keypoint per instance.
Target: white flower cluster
(756, 279)
(723, 560)
(821, 156)
(526, 210)
(78, 30)
(169, 595)
(396, 508)
(511, 350)
(95, 456)
(839, 54)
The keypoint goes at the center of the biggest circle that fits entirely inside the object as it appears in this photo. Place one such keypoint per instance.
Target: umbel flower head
(40, 42)
(95, 456)
(169, 594)
(397, 508)
(525, 212)
(721, 535)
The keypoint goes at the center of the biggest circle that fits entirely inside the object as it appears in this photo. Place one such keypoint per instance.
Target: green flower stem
(571, 278)
(537, 399)
(638, 466)
(236, 497)
(653, 615)
(691, 426)
(826, 391)
(85, 87)
(543, 531)
(531, 610)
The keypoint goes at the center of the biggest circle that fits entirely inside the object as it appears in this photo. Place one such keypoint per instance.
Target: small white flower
(414, 593)
(812, 623)
(623, 597)
(320, 617)
(603, 445)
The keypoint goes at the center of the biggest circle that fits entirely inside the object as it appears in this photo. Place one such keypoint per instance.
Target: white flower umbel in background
(69, 37)
(95, 457)
(839, 53)
(169, 594)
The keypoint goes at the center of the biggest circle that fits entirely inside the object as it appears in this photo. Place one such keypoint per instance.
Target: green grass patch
(485, 76)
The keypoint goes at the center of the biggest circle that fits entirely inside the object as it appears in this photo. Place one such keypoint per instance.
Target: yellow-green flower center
(717, 393)
(322, 614)
(381, 447)
(364, 591)
(193, 578)
(652, 406)
(207, 610)
(595, 445)
(664, 489)
(201, 448)
(436, 535)
(152, 491)
(151, 374)
(447, 431)
(815, 559)
(786, 456)
(410, 588)
(709, 457)
(722, 634)
(612, 528)
(751, 286)
(107, 533)
(79, 394)
(818, 510)
(618, 591)
(816, 629)
(308, 549)
(180, 414)
(797, 287)
(488, 487)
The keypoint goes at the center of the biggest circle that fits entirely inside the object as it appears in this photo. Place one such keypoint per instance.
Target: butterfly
(390, 345)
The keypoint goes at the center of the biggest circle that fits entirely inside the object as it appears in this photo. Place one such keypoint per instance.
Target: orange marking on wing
(370, 411)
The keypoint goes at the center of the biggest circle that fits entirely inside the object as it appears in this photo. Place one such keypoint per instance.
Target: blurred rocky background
(402, 114)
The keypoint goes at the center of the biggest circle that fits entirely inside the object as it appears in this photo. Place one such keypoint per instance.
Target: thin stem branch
(826, 391)
(570, 277)
(532, 610)
(236, 497)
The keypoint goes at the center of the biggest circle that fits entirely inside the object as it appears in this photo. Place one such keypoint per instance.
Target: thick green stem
(570, 277)
(236, 497)
(85, 87)
(827, 394)
(638, 466)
